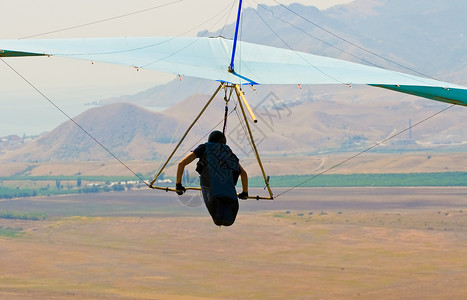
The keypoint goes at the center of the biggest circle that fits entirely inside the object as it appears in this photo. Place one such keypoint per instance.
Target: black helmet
(217, 137)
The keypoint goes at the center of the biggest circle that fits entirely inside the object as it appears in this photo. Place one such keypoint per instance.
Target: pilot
(219, 169)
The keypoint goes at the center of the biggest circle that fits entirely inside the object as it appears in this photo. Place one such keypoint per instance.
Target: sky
(71, 84)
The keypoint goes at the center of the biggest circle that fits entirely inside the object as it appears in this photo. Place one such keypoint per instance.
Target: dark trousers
(223, 210)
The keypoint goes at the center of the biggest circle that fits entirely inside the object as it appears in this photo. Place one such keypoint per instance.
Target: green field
(31, 186)
(10, 232)
(362, 180)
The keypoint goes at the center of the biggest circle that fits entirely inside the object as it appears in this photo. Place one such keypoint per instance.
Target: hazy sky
(72, 83)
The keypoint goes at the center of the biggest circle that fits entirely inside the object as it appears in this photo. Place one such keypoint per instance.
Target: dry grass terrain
(418, 162)
(348, 243)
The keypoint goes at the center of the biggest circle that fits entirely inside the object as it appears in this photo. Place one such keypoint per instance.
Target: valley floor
(310, 243)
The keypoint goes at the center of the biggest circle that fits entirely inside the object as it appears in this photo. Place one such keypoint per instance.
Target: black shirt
(200, 150)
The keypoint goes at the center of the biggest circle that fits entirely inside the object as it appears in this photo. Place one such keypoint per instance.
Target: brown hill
(126, 130)
(346, 120)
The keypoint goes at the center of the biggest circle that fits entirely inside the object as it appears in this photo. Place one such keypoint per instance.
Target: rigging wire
(242, 121)
(227, 19)
(72, 120)
(198, 141)
(351, 43)
(164, 158)
(186, 46)
(239, 46)
(364, 151)
(342, 50)
(317, 38)
(102, 21)
(297, 53)
(159, 43)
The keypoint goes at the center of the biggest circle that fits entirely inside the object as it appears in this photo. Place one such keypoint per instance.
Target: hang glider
(208, 58)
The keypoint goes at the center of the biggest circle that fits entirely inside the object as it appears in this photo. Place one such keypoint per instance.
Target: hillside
(125, 129)
(329, 125)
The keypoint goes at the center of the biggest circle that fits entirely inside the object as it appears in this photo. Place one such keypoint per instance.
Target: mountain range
(426, 36)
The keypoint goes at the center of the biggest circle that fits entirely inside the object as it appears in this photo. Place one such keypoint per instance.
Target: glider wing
(209, 58)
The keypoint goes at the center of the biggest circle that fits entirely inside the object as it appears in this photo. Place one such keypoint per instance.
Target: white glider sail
(209, 58)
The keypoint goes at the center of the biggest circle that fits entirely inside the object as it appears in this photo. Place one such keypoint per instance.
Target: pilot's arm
(181, 167)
